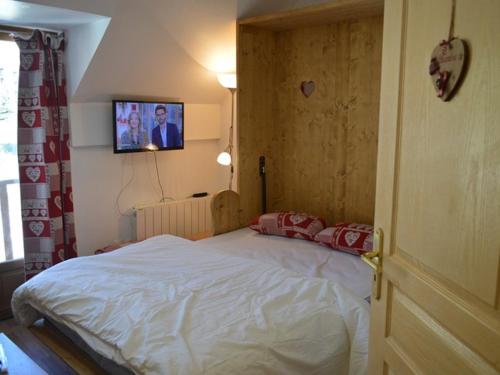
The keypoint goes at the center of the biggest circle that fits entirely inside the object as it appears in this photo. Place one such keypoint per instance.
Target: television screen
(143, 126)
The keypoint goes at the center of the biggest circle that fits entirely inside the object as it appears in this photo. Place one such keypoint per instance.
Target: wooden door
(438, 196)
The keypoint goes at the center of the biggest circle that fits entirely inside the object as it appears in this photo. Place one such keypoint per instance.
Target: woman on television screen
(135, 136)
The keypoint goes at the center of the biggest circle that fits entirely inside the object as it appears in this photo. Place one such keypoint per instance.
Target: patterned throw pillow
(288, 224)
(351, 238)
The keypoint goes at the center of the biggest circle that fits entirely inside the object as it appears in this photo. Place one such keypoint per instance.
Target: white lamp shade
(224, 158)
(227, 80)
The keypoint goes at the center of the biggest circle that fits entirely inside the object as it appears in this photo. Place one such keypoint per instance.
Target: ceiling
(21, 13)
(152, 48)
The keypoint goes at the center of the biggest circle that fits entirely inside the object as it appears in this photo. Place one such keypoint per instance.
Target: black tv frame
(125, 151)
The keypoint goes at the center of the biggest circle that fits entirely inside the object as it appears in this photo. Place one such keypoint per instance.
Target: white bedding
(166, 306)
(305, 257)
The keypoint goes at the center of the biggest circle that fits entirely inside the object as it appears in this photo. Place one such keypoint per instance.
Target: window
(11, 236)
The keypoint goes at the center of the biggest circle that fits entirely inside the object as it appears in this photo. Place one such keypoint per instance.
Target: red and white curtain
(44, 158)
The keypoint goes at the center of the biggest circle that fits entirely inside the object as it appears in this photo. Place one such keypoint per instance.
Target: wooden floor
(51, 350)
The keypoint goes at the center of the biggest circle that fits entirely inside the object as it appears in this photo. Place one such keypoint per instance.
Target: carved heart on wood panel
(307, 88)
(447, 67)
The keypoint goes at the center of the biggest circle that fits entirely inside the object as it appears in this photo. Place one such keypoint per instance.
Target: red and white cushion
(288, 224)
(351, 238)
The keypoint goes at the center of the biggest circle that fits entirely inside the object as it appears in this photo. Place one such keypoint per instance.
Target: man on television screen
(165, 134)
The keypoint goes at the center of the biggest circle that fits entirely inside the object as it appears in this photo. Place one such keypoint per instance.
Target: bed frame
(226, 212)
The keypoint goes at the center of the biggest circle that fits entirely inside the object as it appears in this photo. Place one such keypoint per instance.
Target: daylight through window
(11, 241)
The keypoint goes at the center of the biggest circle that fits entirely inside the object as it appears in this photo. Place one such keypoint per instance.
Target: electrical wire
(117, 201)
(163, 198)
(158, 176)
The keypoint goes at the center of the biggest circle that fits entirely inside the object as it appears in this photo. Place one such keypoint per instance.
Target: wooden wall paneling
(322, 155)
(255, 100)
(365, 60)
(320, 151)
(304, 133)
(340, 63)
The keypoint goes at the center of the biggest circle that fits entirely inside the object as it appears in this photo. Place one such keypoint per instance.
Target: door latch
(374, 260)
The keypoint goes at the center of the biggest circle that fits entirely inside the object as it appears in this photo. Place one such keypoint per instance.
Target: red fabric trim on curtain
(44, 157)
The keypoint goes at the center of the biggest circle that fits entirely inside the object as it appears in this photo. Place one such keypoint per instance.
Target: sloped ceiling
(205, 29)
(162, 49)
(150, 49)
(24, 13)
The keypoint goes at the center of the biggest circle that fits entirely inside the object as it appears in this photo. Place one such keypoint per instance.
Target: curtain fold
(43, 151)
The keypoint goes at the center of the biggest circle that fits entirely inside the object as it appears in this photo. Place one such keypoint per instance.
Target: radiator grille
(181, 218)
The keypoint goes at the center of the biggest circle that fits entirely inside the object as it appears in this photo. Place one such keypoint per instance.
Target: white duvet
(163, 306)
(305, 257)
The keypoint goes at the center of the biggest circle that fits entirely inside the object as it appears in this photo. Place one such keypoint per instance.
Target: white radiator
(182, 218)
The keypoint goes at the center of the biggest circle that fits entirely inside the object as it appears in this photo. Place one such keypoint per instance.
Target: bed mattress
(306, 257)
(169, 306)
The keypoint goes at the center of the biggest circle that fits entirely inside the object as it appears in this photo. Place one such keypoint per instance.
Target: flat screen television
(145, 126)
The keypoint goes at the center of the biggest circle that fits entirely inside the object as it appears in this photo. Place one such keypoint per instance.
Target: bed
(305, 257)
(235, 303)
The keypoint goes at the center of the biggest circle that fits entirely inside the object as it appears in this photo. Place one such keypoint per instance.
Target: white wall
(99, 175)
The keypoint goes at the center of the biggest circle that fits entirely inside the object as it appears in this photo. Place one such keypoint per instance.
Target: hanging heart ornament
(447, 67)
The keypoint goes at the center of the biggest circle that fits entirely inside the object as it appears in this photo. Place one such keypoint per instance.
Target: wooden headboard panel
(226, 212)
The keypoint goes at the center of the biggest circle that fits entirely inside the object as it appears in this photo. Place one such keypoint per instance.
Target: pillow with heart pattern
(348, 237)
(288, 224)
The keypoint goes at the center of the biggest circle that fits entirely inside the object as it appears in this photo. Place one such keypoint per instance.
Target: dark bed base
(106, 364)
